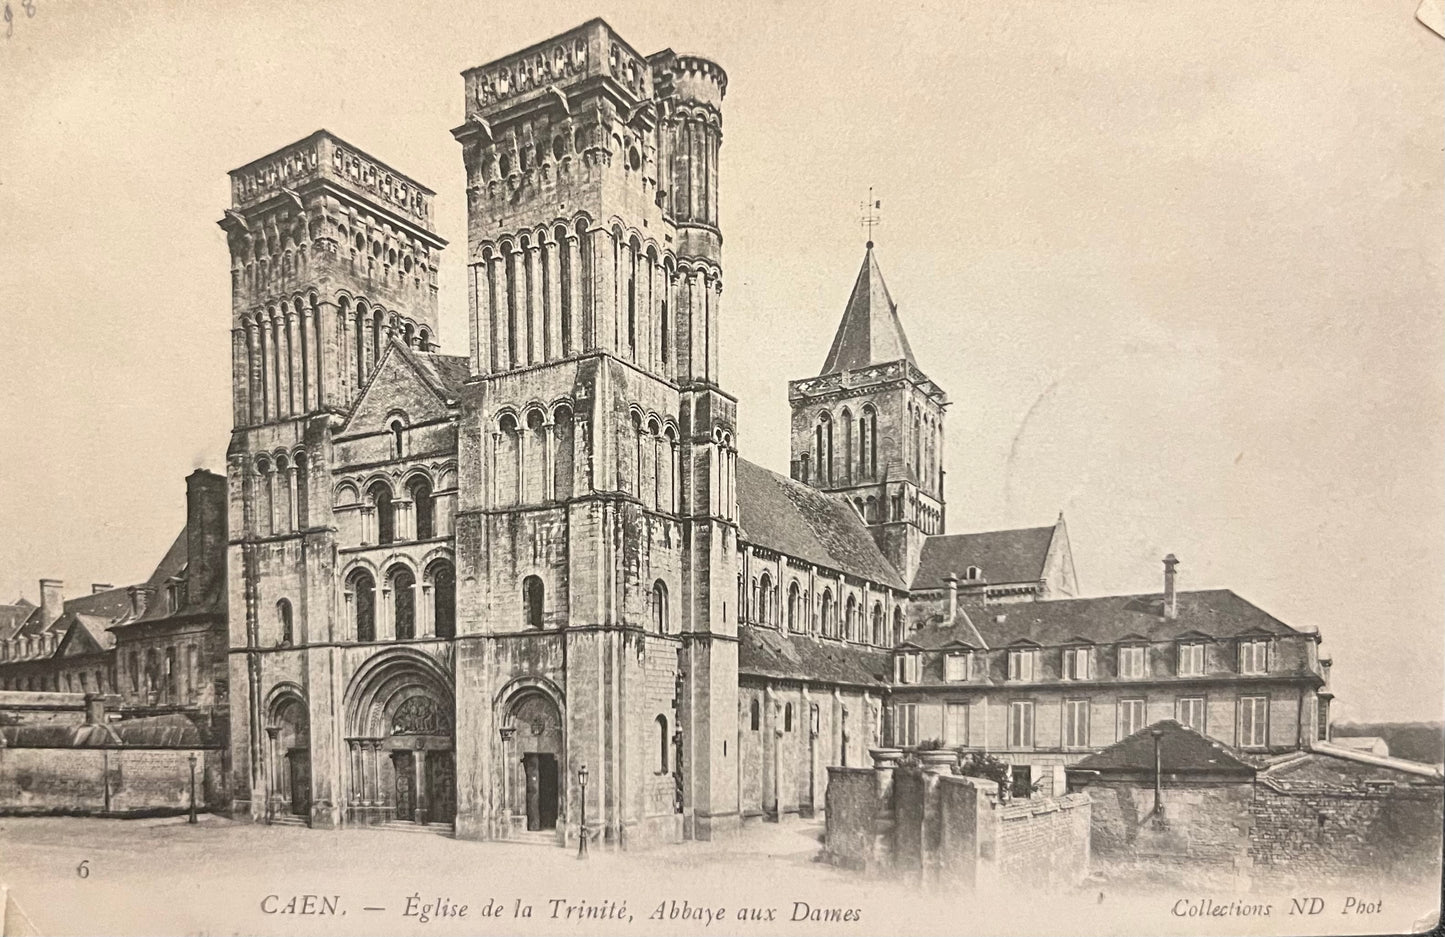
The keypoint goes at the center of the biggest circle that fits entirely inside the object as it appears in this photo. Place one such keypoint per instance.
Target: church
(533, 588)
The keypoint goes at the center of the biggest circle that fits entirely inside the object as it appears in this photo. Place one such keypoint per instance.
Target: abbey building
(469, 590)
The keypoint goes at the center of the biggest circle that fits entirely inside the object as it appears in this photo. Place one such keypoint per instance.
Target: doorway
(298, 771)
(441, 787)
(403, 765)
(541, 773)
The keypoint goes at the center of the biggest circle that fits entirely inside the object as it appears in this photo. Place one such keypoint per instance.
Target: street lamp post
(192, 818)
(1158, 770)
(582, 824)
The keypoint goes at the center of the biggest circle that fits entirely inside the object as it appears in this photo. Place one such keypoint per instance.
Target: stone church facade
(457, 581)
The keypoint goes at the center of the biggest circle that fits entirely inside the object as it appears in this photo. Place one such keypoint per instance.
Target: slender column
(256, 392)
(573, 286)
(272, 773)
(404, 519)
(601, 317)
(416, 609)
(367, 348)
(285, 405)
(535, 336)
(493, 492)
(291, 501)
(515, 350)
(496, 314)
(425, 614)
(268, 351)
(385, 620)
(241, 376)
(552, 299)
(714, 331)
(346, 338)
(477, 327)
(660, 290)
(307, 330)
(368, 772)
(549, 446)
(323, 350)
(696, 286)
(351, 797)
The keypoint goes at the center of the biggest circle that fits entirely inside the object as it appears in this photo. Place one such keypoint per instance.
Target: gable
(398, 384)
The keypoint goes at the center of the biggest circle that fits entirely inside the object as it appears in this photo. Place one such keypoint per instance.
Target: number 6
(83, 870)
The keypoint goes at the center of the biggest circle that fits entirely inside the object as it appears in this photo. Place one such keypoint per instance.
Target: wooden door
(441, 787)
(298, 768)
(404, 767)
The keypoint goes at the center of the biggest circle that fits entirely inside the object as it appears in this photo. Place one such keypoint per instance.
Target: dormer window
(1078, 663)
(1022, 664)
(973, 574)
(1131, 660)
(906, 667)
(1254, 656)
(1191, 659)
(173, 597)
(955, 666)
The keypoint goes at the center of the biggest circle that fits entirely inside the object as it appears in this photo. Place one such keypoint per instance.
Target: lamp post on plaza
(1158, 770)
(582, 824)
(192, 818)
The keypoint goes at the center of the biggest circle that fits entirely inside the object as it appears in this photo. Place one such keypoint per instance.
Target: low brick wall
(852, 799)
(1322, 837)
(1044, 841)
(107, 781)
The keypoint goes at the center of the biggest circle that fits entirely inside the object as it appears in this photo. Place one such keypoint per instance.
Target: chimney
(952, 581)
(138, 600)
(205, 536)
(94, 709)
(98, 587)
(52, 600)
(1171, 598)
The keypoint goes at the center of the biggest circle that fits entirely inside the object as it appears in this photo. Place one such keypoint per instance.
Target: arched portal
(532, 734)
(288, 734)
(400, 718)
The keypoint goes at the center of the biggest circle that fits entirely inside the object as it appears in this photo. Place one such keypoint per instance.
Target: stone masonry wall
(100, 781)
(1203, 839)
(951, 832)
(852, 814)
(1324, 837)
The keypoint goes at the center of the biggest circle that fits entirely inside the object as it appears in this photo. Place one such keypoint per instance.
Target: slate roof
(93, 628)
(107, 606)
(792, 518)
(1181, 751)
(172, 566)
(870, 332)
(768, 652)
(1002, 555)
(447, 373)
(13, 616)
(1216, 613)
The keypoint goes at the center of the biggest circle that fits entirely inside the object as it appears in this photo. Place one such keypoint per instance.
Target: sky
(1178, 266)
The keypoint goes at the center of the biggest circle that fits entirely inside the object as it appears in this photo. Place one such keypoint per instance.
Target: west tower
(597, 524)
(333, 256)
(869, 427)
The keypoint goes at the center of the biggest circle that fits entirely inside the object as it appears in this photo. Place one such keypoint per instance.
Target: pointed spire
(870, 332)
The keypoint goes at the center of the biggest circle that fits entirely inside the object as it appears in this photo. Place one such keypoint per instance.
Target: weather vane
(871, 216)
